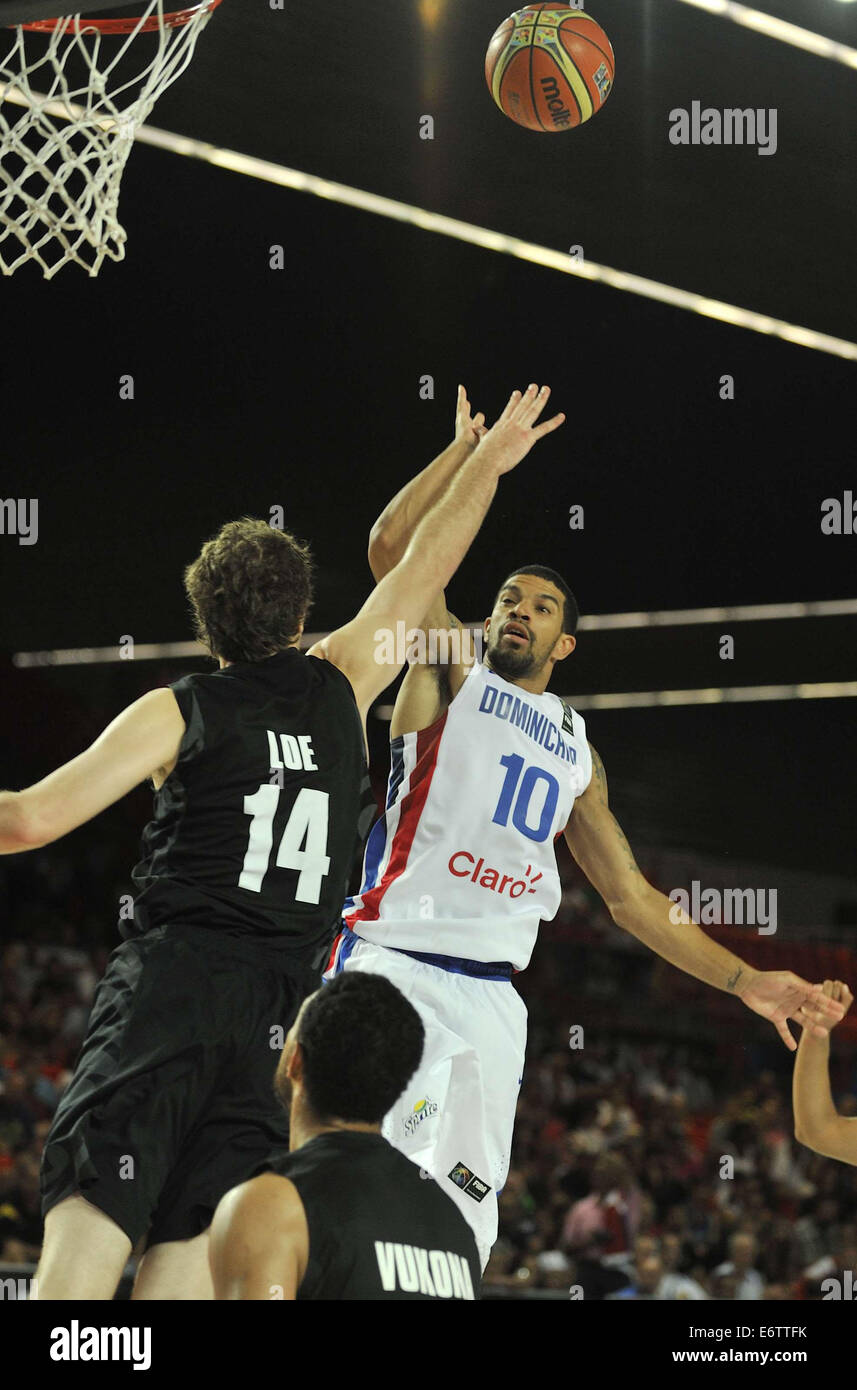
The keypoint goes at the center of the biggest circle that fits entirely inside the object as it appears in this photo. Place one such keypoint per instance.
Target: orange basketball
(549, 67)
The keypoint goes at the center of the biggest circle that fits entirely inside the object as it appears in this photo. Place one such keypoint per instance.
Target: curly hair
(250, 589)
(362, 1042)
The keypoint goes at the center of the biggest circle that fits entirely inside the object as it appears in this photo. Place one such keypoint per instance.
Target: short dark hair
(571, 613)
(362, 1042)
(250, 588)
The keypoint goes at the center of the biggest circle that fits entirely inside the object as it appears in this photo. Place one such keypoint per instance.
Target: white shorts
(456, 1116)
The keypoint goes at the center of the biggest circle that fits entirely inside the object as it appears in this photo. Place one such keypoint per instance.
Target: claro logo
(465, 865)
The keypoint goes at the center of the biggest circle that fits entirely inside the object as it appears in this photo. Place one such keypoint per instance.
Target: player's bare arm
(259, 1241)
(599, 846)
(430, 685)
(142, 742)
(392, 532)
(436, 549)
(818, 1123)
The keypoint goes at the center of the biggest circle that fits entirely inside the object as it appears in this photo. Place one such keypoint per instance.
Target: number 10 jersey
(462, 862)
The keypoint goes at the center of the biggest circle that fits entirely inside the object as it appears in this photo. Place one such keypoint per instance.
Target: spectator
(749, 1284)
(646, 1284)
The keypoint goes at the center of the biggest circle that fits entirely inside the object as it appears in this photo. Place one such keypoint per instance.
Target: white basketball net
(62, 156)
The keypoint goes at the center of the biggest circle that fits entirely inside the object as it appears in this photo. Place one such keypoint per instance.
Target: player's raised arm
(818, 1123)
(441, 540)
(597, 842)
(142, 740)
(259, 1242)
(430, 685)
(392, 532)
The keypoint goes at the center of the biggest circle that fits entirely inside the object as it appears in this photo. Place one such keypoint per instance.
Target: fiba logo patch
(603, 81)
(423, 1110)
(466, 1179)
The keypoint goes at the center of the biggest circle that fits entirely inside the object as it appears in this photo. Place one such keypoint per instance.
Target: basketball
(549, 67)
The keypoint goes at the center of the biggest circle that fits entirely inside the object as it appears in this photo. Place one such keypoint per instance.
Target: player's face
(525, 626)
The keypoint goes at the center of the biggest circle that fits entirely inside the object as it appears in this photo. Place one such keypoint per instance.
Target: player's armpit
(259, 1242)
(144, 737)
(443, 653)
(598, 844)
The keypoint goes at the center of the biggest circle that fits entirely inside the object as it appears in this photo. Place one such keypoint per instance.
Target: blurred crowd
(643, 1167)
(637, 1175)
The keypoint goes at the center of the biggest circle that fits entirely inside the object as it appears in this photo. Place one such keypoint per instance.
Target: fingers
(511, 404)
(526, 407)
(549, 426)
(839, 993)
(822, 997)
(532, 404)
(785, 1033)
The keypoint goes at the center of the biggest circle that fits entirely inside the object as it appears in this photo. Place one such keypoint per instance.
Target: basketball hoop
(62, 158)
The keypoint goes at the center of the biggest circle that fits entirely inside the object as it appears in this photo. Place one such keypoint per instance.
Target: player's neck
(304, 1126)
(536, 685)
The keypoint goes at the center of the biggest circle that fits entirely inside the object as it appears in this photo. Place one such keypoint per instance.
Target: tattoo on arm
(733, 979)
(623, 842)
(599, 784)
(599, 776)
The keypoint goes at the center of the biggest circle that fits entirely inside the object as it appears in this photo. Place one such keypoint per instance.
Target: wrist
(747, 979)
(463, 445)
(485, 462)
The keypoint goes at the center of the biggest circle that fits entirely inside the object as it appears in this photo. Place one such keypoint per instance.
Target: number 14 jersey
(462, 862)
(255, 832)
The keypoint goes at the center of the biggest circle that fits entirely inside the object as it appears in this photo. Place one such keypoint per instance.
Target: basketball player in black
(258, 770)
(344, 1215)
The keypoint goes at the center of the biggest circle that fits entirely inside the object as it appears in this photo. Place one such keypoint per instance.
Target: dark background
(300, 387)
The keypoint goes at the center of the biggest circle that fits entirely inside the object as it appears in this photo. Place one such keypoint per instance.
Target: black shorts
(171, 1102)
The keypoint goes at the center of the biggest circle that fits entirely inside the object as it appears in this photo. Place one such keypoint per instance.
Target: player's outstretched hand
(779, 995)
(517, 430)
(469, 429)
(840, 994)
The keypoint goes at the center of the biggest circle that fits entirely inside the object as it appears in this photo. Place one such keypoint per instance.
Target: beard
(511, 662)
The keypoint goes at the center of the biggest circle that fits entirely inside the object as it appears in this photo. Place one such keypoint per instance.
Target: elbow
(620, 912)
(17, 828)
(27, 829)
(380, 548)
(628, 910)
(809, 1139)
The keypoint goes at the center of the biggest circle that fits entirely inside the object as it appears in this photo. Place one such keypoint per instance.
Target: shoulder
(323, 669)
(261, 1207)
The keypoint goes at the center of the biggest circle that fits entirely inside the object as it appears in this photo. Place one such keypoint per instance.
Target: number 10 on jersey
(302, 847)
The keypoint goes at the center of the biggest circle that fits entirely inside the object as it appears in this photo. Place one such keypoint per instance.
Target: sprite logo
(423, 1110)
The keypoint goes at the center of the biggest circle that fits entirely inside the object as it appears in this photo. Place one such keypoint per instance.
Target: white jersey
(462, 862)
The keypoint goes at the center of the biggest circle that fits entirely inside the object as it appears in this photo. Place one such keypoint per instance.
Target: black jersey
(255, 831)
(377, 1228)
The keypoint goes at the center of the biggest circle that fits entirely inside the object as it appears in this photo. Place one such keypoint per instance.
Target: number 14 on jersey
(303, 844)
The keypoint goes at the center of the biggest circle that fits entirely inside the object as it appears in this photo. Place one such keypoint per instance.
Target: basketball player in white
(487, 771)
